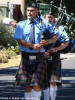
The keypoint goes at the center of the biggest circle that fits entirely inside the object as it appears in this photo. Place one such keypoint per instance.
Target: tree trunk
(23, 8)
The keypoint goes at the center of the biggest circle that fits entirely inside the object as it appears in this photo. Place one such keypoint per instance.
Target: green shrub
(6, 35)
(17, 51)
(10, 53)
(3, 57)
(6, 54)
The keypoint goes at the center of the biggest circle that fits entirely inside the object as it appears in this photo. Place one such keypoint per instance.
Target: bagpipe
(45, 33)
(61, 13)
(69, 18)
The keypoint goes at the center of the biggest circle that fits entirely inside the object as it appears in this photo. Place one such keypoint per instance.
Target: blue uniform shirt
(23, 32)
(62, 38)
(62, 35)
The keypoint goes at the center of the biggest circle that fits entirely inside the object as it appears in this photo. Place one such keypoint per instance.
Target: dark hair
(33, 4)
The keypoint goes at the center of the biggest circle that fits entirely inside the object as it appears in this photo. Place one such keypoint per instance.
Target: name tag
(32, 57)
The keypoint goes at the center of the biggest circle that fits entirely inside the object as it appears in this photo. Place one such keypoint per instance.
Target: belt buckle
(32, 57)
(50, 58)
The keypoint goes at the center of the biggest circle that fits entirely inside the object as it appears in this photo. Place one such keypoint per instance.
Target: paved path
(66, 92)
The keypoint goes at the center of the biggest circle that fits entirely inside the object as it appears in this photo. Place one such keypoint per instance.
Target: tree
(23, 8)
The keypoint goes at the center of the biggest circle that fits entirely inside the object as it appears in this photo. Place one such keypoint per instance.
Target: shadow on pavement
(7, 89)
(68, 72)
(67, 90)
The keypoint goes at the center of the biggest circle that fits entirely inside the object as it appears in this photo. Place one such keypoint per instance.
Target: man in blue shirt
(32, 70)
(53, 57)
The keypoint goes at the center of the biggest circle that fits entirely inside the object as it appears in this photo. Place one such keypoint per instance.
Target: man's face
(50, 19)
(32, 12)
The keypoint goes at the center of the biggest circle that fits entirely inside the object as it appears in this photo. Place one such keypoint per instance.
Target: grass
(15, 61)
(1, 18)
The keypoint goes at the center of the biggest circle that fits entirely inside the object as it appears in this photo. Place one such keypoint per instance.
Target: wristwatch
(56, 50)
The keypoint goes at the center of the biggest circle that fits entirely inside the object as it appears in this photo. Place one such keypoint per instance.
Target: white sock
(36, 95)
(53, 90)
(46, 94)
(28, 96)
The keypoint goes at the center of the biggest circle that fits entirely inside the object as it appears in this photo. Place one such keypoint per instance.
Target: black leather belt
(31, 56)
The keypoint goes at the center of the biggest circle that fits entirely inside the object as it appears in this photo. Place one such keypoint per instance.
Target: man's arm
(53, 39)
(29, 45)
(61, 47)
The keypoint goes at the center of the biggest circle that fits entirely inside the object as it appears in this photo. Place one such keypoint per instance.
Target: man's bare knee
(36, 88)
(53, 83)
(28, 89)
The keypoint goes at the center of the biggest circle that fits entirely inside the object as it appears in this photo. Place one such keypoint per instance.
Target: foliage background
(70, 4)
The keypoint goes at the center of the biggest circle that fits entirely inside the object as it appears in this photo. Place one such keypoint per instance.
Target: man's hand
(47, 55)
(44, 42)
(37, 46)
(52, 50)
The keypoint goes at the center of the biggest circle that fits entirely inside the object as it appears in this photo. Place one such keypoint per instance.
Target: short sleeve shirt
(23, 32)
(62, 35)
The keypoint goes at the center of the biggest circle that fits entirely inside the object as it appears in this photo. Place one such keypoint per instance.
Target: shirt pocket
(26, 36)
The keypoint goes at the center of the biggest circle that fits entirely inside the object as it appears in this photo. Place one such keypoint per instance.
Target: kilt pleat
(54, 69)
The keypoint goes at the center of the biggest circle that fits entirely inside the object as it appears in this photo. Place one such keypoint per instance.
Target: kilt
(32, 72)
(54, 69)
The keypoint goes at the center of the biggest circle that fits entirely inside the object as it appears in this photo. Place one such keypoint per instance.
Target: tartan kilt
(33, 72)
(54, 69)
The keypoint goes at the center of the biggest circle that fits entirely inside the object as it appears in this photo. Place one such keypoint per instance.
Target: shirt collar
(28, 21)
(36, 21)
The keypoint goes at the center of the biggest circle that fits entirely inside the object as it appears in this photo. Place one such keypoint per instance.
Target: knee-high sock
(53, 90)
(28, 96)
(36, 95)
(46, 94)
